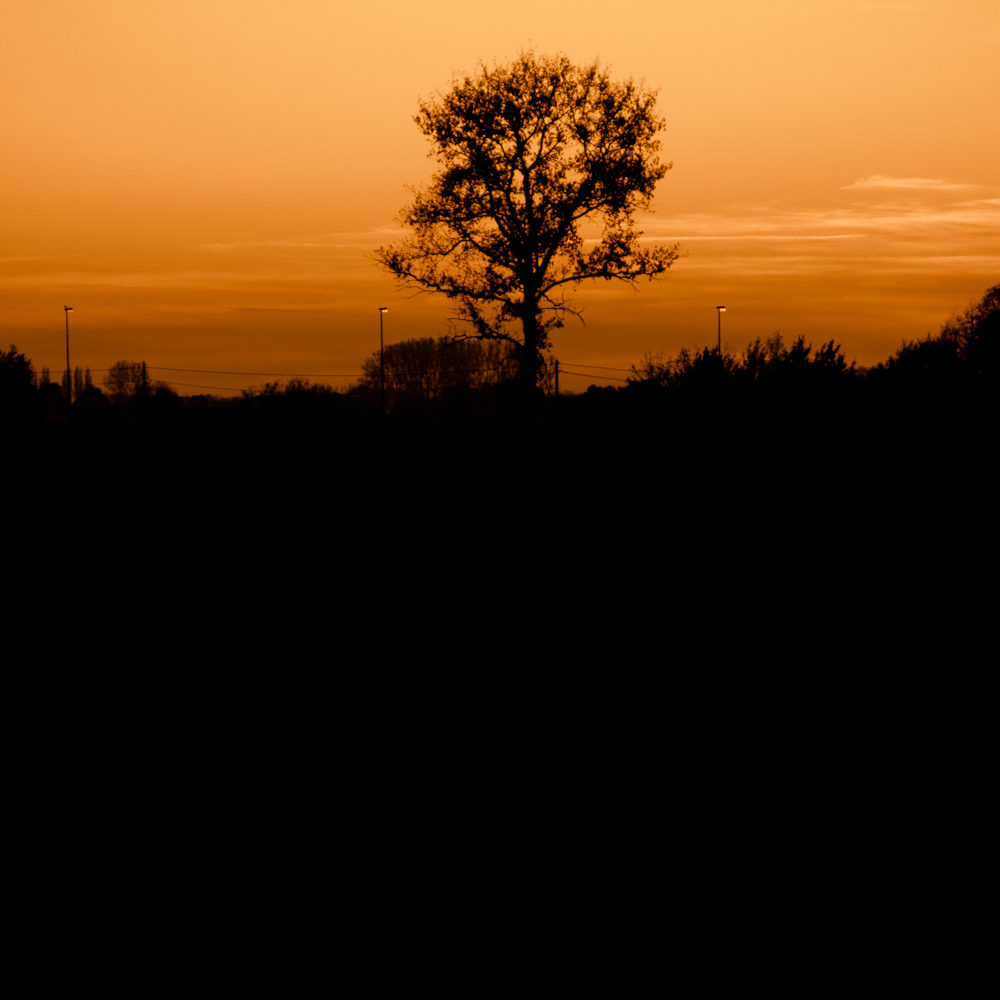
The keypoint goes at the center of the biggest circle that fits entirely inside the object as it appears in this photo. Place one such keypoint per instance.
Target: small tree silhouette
(126, 380)
(17, 382)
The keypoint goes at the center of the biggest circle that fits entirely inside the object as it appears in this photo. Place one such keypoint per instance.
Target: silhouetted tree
(82, 381)
(431, 369)
(17, 382)
(127, 380)
(51, 395)
(773, 362)
(689, 368)
(966, 347)
(979, 334)
(16, 370)
(529, 153)
(293, 388)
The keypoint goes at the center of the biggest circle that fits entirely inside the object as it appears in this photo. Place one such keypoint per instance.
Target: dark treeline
(783, 475)
(774, 390)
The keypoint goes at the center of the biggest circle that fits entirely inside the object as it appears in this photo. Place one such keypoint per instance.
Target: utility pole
(381, 355)
(69, 371)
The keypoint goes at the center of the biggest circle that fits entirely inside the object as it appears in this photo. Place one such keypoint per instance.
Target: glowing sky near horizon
(204, 180)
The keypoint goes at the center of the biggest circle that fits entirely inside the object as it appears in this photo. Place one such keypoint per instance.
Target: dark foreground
(605, 469)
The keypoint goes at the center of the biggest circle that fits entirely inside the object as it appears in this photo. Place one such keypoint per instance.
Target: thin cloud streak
(924, 231)
(972, 218)
(325, 241)
(895, 5)
(881, 182)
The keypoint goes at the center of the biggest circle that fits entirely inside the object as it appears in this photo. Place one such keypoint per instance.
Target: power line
(469, 371)
(209, 371)
(606, 378)
(193, 385)
(355, 374)
(606, 368)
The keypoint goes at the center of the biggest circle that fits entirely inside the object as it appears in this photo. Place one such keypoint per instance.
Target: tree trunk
(528, 363)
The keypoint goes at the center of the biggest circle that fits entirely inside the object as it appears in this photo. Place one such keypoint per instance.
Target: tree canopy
(967, 346)
(433, 369)
(529, 154)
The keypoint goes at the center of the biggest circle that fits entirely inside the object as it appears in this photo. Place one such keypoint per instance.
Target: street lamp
(69, 373)
(721, 310)
(382, 310)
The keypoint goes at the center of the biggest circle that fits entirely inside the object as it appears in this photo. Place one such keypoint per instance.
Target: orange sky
(204, 180)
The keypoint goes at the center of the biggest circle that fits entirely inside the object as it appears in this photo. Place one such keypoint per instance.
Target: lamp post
(720, 310)
(69, 374)
(382, 310)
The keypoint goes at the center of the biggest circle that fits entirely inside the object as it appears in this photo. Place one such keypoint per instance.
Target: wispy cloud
(323, 241)
(924, 232)
(880, 182)
(895, 4)
(849, 220)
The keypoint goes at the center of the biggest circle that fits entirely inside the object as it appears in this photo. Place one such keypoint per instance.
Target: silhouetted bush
(771, 364)
(967, 349)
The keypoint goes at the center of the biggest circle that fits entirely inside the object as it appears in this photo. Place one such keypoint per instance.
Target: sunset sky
(204, 181)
